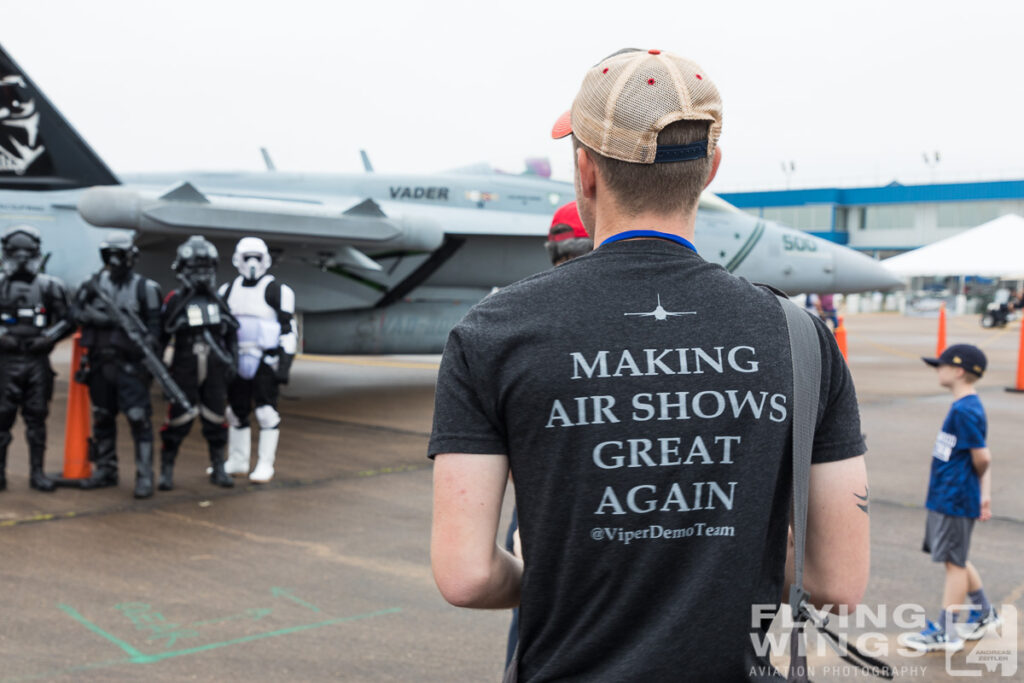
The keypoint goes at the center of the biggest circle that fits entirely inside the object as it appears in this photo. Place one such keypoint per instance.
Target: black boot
(103, 455)
(217, 474)
(37, 478)
(5, 439)
(143, 469)
(167, 470)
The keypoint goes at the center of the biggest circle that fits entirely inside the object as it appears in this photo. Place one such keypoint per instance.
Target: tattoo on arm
(864, 498)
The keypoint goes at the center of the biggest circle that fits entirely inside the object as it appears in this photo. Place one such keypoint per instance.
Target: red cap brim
(563, 126)
(568, 215)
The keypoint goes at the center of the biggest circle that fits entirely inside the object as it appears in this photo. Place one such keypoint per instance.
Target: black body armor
(34, 315)
(100, 331)
(205, 358)
(35, 308)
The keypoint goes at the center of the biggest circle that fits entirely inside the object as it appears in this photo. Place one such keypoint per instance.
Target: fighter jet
(379, 263)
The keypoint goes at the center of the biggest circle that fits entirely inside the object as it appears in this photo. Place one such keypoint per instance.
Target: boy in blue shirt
(958, 493)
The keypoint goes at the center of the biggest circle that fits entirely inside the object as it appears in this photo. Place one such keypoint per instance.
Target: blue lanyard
(630, 234)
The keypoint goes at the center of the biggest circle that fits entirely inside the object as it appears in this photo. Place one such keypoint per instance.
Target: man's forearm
(470, 569)
(813, 590)
(502, 590)
(496, 587)
(837, 550)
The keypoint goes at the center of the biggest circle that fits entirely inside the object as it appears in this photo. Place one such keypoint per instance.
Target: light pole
(788, 168)
(931, 161)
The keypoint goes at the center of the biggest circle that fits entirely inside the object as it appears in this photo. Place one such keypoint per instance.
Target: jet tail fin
(39, 150)
(538, 166)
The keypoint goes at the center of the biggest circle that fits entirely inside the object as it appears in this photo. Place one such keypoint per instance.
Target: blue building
(888, 220)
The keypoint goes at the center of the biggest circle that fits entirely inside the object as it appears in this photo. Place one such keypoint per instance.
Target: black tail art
(39, 150)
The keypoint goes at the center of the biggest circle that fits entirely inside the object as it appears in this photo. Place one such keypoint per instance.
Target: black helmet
(196, 263)
(21, 250)
(118, 252)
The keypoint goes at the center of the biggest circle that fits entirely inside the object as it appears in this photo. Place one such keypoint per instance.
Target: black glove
(83, 373)
(284, 368)
(39, 346)
(9, 343)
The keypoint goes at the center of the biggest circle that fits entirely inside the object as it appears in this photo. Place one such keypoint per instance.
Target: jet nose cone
(856, 272)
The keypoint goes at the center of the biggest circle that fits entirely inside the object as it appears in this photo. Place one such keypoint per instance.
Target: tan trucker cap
(630, 96)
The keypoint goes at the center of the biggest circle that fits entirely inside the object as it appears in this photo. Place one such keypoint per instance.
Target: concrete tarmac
(324, 573)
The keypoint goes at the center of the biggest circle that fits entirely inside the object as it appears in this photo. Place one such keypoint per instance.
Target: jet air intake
(185, 210)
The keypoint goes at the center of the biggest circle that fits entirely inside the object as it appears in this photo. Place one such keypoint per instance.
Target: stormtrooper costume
(34, 315)
(267, 343)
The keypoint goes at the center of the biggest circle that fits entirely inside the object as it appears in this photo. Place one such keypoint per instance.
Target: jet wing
(184, 210)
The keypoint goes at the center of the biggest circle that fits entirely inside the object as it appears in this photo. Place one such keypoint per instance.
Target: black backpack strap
(806, 355)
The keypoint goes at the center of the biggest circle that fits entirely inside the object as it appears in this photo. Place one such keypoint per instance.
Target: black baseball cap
(965, 356)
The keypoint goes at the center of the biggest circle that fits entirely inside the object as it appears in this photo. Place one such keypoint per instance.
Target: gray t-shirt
(642, 396)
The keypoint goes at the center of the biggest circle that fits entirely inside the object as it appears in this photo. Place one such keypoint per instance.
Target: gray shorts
(948, 538)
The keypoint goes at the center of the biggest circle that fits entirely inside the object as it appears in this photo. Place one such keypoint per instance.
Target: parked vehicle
(997, 315)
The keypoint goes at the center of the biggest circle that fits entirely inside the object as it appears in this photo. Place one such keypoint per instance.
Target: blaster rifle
(135, 330)
(225, 355)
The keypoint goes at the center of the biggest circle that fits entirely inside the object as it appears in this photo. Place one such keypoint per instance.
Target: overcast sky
(851, 92)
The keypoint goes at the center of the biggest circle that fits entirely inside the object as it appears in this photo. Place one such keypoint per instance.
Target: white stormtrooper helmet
(251, 258)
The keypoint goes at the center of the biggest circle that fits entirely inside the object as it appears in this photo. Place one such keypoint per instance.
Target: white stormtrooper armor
(266, 343)
(260, 328)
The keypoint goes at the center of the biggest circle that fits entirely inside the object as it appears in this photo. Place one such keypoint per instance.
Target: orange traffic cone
(76, 426)
(942, 331)
(841, 337)
(1020, 363)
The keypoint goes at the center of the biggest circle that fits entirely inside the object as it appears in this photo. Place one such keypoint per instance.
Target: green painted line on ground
(255, 614)
(149, 659)
(73, 613)
(285, 593)
(140, 658)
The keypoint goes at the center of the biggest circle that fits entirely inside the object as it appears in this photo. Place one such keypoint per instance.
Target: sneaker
(978, 624)
(933, 638)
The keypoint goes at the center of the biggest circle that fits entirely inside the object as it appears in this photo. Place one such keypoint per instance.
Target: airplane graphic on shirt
(660, 313)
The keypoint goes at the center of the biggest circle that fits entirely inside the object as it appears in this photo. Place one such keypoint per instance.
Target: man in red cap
(567, 237)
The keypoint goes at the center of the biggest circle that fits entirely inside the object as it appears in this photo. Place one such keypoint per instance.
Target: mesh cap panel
(627, 99)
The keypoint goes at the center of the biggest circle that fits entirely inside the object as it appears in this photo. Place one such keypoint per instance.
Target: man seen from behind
(641, 398)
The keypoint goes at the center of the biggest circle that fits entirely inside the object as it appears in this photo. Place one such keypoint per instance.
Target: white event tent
(993, 249)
